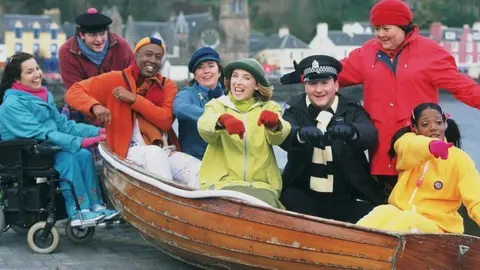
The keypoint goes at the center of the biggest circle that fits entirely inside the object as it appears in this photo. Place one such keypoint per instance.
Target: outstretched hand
(439, 149)
(232, 124)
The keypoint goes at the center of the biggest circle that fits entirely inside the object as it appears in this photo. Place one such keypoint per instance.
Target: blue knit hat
(202, 54)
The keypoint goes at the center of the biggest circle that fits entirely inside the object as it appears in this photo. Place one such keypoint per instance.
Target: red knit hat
(391, 12)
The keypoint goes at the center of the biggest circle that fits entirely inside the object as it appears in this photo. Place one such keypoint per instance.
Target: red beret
(391, 12)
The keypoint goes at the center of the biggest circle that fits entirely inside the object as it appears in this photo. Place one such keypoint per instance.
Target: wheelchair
(30, 198)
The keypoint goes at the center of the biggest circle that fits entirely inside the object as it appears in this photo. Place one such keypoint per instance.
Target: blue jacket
(188, 106)
(23, 115)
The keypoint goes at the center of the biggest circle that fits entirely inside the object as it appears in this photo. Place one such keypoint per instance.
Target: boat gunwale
(131, 212)
(296, 229)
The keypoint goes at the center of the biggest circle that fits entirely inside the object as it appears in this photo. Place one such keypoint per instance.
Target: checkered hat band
(320, 70)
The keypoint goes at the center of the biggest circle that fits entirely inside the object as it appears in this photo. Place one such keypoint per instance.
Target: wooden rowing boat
(228, 233)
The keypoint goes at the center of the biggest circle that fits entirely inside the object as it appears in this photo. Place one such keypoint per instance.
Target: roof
(340, 38)
(70, 29)
(256, 42)
(140, 29)
(28, 22)
(195, 21)
(288, 41)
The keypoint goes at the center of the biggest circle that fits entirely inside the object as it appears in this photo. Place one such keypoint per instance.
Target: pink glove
(88, 142)
(102, 131)
(439, 148)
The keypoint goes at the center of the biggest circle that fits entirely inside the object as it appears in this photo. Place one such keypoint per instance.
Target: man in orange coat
(136, 106)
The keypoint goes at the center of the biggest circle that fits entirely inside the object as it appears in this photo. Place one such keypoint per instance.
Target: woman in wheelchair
(27, 110)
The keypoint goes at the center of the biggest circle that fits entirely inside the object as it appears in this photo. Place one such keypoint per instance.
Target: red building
(462, 43)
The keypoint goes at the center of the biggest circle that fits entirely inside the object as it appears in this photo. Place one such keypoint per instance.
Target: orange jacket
(83, 95)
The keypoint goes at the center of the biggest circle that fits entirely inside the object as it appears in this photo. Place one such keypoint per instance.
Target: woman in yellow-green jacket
(240, 129)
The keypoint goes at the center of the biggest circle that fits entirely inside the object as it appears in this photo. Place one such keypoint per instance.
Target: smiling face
(95, 41)
(149, 60)
(321, 92)
(430, 124)
(31, 74)
(242, 85)
(390, 36)
(207, 74)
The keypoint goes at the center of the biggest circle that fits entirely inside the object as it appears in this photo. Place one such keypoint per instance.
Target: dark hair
(407, 28)
(452, 133)
(220, 80)
(12, 71)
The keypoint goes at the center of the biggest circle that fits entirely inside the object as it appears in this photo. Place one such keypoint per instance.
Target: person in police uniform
(327, 172)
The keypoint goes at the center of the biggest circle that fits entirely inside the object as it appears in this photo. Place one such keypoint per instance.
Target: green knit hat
(248, 64)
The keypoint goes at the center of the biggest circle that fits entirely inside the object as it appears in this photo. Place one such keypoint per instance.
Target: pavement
(116, 246)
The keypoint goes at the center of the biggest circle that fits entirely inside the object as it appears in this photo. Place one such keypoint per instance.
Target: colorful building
(35, 34)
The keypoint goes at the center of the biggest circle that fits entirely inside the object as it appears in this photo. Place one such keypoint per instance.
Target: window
(455, 46)
(456, 57)
(469, 47)
(36, 49)
(18, 32)
(237, 6)
(36, 33)
(18, 47)
(54, 34)
(53, 50)
(469, 59)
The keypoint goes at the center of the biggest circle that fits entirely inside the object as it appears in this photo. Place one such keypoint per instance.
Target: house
(339, 44)
(463, 43)
(280, 50)
(185, 33)
(39, 35)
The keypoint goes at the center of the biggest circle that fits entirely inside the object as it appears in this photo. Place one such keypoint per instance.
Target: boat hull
(222, 233)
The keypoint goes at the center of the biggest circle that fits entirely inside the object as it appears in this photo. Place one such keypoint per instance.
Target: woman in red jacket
(400, 69)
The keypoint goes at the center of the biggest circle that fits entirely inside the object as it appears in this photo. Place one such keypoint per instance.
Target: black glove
(292, 77)
(342, 131)
(312, 135)
(215, 93)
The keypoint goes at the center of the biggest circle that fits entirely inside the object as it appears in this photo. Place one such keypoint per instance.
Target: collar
(75, 48)
(413, 35)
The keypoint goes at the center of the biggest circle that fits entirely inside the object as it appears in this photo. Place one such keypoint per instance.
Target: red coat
(423, 66)
(74, 67)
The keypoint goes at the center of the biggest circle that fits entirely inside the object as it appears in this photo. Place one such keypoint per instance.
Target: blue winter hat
(202, 54)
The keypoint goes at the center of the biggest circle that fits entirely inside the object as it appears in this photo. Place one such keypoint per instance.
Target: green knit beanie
(248, 64)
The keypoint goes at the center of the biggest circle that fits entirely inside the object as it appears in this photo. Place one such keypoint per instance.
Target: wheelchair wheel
(42, 246)
(79, 235)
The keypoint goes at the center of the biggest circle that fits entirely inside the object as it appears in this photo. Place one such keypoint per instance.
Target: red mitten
(89, 142)
(439, 148)
(232, 124)
(268, 119)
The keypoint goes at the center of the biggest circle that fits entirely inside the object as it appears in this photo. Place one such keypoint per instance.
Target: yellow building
(35, 34)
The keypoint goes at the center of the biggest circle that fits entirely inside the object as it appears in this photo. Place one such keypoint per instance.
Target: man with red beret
(400, 69)
(136, 106)
(93, 50)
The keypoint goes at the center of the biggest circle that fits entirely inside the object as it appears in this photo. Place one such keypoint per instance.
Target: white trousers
(167, 164)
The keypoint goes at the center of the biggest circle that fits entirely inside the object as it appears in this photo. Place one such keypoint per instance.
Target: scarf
(152, 90)
(209, 93)
(95, 57)
(40, 92)
(242, 105)
(321, 177)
